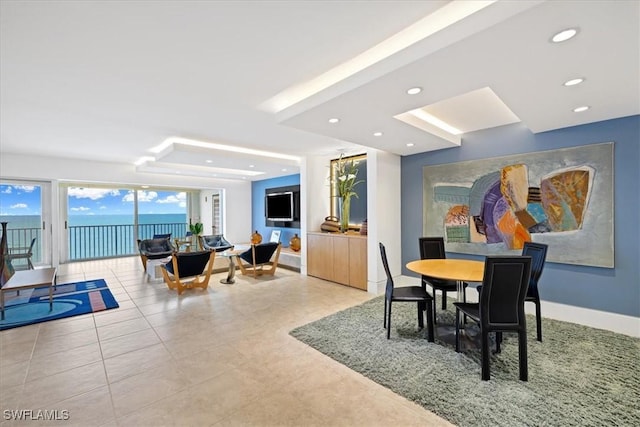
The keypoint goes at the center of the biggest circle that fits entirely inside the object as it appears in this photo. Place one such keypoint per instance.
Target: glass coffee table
(230, 254)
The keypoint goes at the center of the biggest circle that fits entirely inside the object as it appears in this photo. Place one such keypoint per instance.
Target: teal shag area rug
(578, 376)
(69, 299)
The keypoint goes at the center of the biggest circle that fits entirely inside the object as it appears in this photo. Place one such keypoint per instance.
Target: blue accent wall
(614, 290)
(257, 207)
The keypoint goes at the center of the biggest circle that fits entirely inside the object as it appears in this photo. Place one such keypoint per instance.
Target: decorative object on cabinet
(363, 229)
(345, 179)
(330, 224)
(344, 174)
(294, 243)
(256, 238)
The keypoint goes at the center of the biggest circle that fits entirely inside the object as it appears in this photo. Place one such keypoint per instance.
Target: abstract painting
(563, 198)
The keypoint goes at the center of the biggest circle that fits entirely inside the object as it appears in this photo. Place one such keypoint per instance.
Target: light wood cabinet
(340, 258)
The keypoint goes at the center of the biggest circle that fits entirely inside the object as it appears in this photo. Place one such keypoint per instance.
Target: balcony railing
(88, 242)
(108, 241)
(18, 239)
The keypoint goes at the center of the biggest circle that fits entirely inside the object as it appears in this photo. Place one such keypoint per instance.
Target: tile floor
(222, 357)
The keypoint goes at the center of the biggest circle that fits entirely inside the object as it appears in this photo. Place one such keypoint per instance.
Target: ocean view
(96, 236)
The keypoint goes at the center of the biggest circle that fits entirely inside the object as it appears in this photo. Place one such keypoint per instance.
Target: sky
(25, 200)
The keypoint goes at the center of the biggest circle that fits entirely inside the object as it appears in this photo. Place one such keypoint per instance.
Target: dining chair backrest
(432, 248)
(538, 254)
(504, 287)
(385, 264)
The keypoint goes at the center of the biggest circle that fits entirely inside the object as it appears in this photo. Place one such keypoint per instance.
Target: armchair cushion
(215, 242)
(156, 248)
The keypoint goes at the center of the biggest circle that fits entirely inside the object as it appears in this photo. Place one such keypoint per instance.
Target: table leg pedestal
(231, 274)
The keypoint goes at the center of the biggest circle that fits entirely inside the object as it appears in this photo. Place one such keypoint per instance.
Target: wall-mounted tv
(279, 206)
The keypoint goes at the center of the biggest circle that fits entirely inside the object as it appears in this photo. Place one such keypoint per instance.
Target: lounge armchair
(258, 257)
(196, 266)
(154, 249)
(215, 242)
(23, 253)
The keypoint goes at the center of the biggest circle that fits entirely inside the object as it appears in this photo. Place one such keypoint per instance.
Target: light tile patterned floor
(222, 357)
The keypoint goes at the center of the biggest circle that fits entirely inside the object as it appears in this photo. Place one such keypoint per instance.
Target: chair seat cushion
(410, 293)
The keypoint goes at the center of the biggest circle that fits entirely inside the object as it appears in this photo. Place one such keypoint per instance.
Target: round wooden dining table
(460, 270)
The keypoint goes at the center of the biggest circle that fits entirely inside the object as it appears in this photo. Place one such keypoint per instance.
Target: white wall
(383, 216)
(314, 199)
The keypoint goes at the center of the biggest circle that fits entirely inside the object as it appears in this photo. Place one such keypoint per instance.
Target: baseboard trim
(620, 323)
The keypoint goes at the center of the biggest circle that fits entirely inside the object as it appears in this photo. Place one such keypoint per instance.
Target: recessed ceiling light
(564, 35)
(334, 120)
(252, 166)
(377, 134)
(410, 144)
(581, 109)
(414, 90)
(209, 161)
(284, 169)
(574, 82)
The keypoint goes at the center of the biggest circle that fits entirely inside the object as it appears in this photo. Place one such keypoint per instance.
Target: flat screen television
(279, 206)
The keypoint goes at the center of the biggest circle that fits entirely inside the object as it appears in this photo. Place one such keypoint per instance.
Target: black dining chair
(501, 307)
(415, 294)
(538, 254)
(433, 248)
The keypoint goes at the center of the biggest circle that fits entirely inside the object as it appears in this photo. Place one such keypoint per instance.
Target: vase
(344, 205)
(256, 238)
(294, 243)
(6, 269)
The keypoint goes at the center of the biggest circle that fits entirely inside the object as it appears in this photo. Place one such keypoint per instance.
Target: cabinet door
(358, 263)
(341, 261)
(320, 256)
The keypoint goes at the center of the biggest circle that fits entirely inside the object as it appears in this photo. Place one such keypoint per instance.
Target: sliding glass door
(107, 222)
(24, 205)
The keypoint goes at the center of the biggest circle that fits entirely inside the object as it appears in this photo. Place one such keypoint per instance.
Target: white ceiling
(111, 81)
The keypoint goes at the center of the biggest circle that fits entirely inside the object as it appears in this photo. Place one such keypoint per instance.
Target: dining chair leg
(444, 299)
(429, 322)
(389, 321)
(457, 330)
(485, 355)
(522, 355)
(420, 315)
(498, 341)
(538, 320)
(434, 305)
(385, 313)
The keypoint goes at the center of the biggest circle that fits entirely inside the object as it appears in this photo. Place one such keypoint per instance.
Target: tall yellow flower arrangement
(346, 180)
